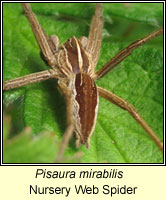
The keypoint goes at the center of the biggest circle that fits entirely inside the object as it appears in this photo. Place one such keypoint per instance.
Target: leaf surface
(138, 79)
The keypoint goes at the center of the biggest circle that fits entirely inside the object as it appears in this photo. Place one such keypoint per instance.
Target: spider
(73, 65)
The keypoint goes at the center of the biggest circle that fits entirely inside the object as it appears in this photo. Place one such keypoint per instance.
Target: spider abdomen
(85, 106)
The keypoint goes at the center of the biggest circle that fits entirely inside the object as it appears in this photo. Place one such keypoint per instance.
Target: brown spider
(73, 64)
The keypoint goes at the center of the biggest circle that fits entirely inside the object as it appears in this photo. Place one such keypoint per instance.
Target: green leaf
(26, 147)
(32, 149)
(117, 138)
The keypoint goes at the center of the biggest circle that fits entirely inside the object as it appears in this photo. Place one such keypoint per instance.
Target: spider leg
(46, 44)
(31, 78)
(95, 35)
(70, 122)
(126, 106)
(124, 53)
(55, 43)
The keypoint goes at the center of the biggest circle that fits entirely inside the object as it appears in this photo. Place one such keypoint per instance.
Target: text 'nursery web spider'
(73, 65)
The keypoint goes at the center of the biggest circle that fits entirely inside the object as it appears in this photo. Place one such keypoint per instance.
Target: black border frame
(83, 164)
